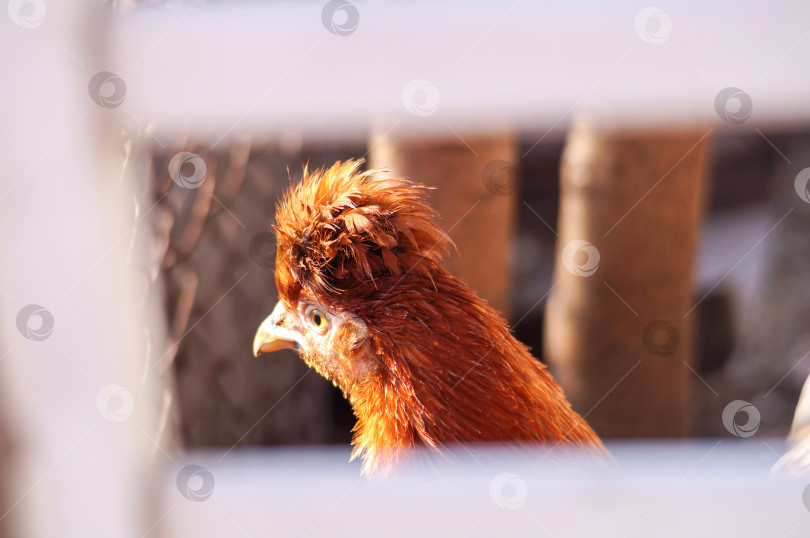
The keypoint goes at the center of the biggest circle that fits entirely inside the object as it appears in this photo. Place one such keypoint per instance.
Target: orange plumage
(422, 359)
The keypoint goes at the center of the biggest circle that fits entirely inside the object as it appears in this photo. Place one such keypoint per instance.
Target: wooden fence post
(617, 328)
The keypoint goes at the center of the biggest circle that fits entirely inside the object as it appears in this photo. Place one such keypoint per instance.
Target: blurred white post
(80, 415)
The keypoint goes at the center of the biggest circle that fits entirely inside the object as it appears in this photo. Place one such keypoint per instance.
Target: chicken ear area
(354, 332)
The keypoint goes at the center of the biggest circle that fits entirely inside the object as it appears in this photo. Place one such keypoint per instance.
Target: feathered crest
(340, 227)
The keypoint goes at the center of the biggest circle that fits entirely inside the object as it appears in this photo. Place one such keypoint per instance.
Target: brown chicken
(365, 300)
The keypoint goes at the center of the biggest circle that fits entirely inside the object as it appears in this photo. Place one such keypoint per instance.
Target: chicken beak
(272, 337)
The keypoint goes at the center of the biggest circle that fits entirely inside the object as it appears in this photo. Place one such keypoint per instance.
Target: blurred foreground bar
(521, 67)
(717, 488)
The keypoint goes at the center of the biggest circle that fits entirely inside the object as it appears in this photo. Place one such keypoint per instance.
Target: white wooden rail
(717, 488)
(439, 67)
(71, 372)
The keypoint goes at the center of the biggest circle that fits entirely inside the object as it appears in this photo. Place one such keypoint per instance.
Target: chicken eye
(318, 318)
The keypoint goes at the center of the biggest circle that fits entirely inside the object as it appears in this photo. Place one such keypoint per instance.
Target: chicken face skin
(333, 343)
